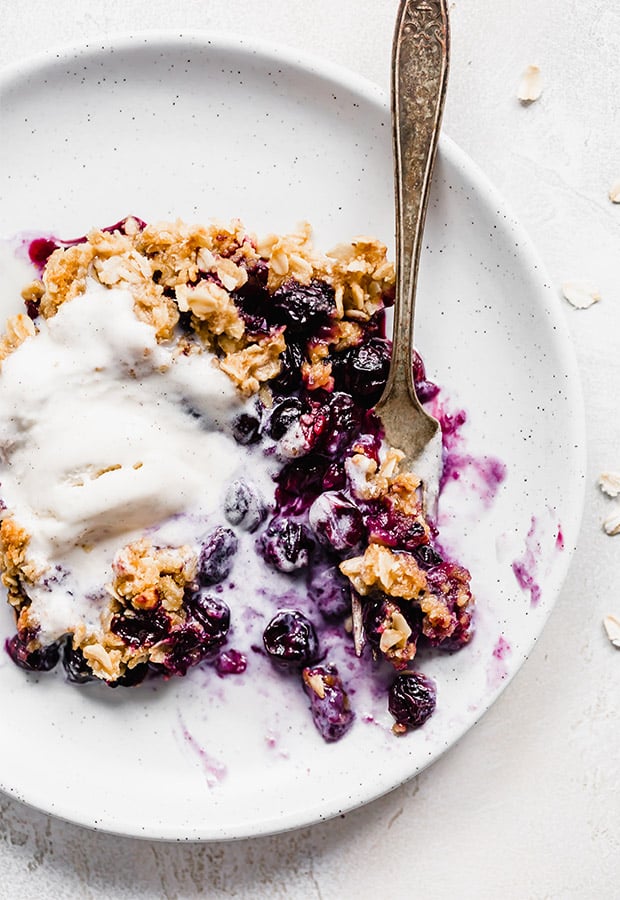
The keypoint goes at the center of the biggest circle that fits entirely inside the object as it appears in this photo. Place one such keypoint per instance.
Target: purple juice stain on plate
(215, 770)
(498, 670)
(485, 474)
(525, 568)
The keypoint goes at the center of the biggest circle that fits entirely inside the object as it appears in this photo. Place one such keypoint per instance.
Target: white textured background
(527, 805)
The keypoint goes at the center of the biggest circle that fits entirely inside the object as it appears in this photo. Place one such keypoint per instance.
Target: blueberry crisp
(186, 417)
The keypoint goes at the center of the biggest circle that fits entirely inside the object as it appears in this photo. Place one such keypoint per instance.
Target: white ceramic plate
(197, 127)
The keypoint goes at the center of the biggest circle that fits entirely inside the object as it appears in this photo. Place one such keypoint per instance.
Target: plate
(198, 126)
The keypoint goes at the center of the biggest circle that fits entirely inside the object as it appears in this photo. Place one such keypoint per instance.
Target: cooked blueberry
(141, 628)
(362, 371)
(212, 614)
(412, 700)
(329, 703)
(231, 662)
(284, 415)
(40, 659)
(290, 371)
(345, 419)
(186, 646)
(427, 557)
(300, 482)
(253, 300)
(336, 522)
(299, 306)
(243, 505)
(285, 545)
(290, 638)
(131, 677)
(246, 429)
(217, 555)
(330, 590)
(76, 668)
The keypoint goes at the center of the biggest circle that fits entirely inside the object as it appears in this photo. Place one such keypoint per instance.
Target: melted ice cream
(105, 434)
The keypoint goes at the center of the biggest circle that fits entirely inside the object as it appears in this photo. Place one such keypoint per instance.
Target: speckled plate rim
(306, 63)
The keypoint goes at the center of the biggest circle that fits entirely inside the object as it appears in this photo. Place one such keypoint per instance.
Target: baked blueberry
(290, 639)
(285, 544)
(217, 555)
(244, 506)
(412, 700)
(329, 703)
(40, 659)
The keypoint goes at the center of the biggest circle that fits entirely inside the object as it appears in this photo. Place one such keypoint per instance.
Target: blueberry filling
(230, 662)
(303, 307)
(363, 371)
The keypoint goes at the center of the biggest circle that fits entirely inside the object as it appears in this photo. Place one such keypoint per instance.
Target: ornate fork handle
(419, 80)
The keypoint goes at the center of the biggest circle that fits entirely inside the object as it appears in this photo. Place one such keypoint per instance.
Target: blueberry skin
(290, 639)
(427, 556)
(411, 700)
(217, 555)
(185, 647)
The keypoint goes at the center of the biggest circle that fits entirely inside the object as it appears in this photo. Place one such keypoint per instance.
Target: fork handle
(420, 59)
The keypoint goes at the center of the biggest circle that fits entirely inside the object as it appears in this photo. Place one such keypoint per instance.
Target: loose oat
(611, 525)
(609, 483)
(530, 85)
(579, 294)
(612, 627)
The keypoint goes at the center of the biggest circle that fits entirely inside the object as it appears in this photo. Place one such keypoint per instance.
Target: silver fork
(420, 58)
